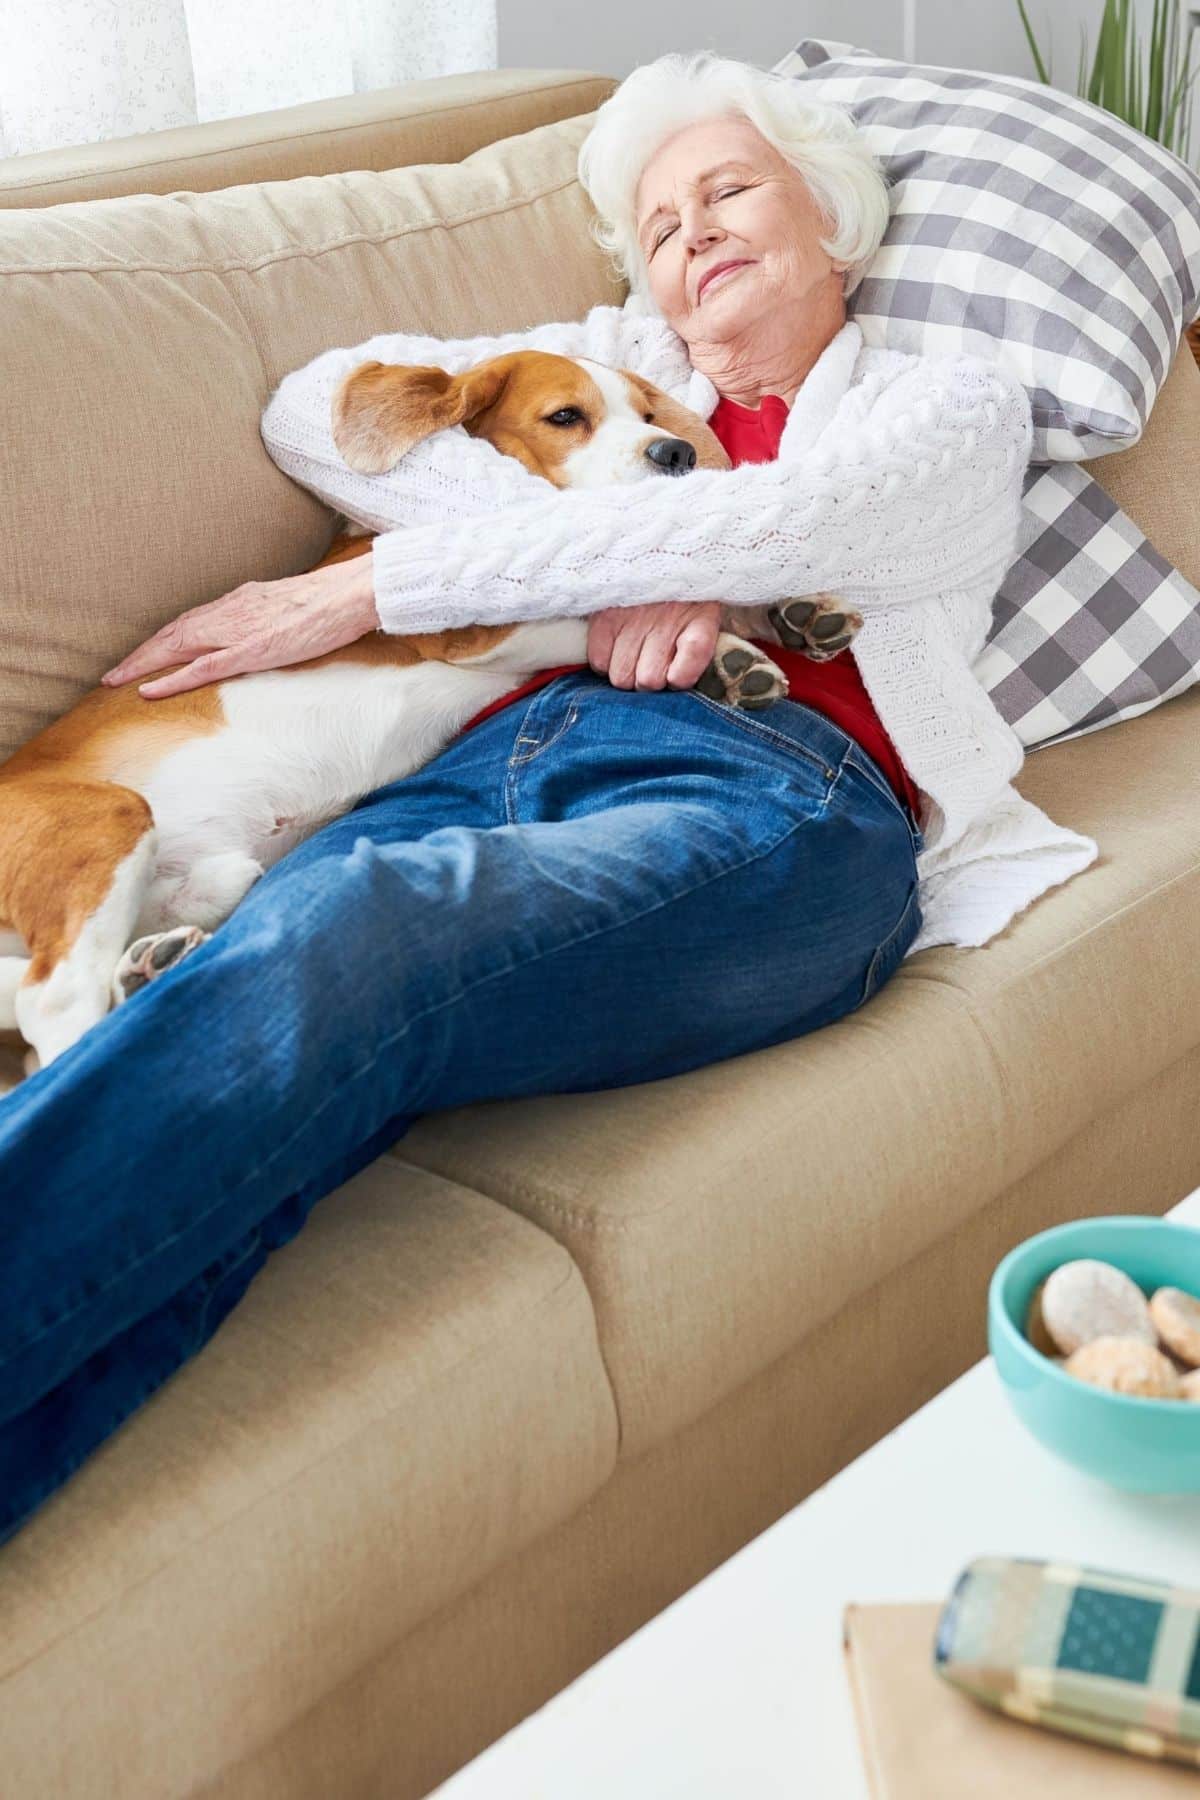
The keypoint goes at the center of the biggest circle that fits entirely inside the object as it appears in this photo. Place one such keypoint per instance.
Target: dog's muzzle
(672, 455)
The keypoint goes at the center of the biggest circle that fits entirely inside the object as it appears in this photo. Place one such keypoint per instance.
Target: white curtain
(80, 71)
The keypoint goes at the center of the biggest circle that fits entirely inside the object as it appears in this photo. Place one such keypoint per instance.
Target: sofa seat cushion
(410, 1393)
(721, 1215)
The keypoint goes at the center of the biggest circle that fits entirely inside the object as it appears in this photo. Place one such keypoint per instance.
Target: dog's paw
(820, 627)
(149, 956)
(740, 675)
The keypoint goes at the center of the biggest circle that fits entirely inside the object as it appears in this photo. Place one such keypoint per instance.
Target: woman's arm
(919, 498)
(451, 475)
(270, 624)
(918, 501)
(259, 625)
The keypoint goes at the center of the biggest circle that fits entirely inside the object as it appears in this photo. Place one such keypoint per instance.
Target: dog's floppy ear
(380, 410)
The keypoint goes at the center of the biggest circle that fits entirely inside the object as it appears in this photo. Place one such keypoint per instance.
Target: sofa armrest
(441, 120)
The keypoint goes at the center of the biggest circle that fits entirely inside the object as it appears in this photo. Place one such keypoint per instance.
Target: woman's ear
(380, 410)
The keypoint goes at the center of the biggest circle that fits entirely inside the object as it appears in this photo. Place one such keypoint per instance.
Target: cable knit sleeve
(915, 495)
(451, 475)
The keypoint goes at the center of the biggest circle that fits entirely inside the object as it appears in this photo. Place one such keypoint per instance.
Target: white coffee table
(738, 1687)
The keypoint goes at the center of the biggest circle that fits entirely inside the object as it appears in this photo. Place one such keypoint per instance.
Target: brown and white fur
(130, 828)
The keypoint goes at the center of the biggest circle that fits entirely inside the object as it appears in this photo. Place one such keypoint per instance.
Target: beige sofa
(544, 1364)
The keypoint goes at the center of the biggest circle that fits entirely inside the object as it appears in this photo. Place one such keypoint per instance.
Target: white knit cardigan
(897, 487)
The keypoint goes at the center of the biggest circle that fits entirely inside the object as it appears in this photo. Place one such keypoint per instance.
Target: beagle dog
(131, 828)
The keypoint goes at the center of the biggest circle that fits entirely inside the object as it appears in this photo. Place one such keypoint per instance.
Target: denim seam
(493, 975)
(857, 758)
(515, 763)
(889, 940)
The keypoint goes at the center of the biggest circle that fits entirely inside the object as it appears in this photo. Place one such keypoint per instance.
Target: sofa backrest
(144, 334)
(440, 120)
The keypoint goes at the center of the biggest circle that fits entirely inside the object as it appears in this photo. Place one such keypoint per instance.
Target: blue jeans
(591, 888)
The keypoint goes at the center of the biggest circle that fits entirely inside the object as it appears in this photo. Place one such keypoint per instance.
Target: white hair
(820, 142)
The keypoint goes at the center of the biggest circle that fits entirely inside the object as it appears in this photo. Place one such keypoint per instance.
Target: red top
(834, 688)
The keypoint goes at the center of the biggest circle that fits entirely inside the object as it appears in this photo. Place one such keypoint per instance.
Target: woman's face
(718, 193)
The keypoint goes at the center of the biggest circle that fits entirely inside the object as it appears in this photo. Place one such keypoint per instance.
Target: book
(922, 1739)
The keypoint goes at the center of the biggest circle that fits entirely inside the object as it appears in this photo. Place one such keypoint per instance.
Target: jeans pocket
(890, 954)
(798, 733)
(526, 748)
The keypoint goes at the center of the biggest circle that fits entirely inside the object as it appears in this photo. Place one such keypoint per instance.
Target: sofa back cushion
(439, 120)
(143, 336)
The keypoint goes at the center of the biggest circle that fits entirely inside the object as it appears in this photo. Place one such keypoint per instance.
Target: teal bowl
(1144, 1446)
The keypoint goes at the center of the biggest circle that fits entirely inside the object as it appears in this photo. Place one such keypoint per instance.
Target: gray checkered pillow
(1029, 227)
(1091, 625)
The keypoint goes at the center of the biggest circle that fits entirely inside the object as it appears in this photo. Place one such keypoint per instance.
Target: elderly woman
(609, 878)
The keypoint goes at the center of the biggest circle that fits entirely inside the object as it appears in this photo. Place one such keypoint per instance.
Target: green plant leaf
(1042, 72)
(1118, 56)
(1097, 86)
(1148, 81)
(1154, 81)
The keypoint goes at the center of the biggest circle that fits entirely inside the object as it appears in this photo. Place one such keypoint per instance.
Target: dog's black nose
(672, 455)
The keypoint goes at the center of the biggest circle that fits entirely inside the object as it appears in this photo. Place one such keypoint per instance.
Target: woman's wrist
(360, 601)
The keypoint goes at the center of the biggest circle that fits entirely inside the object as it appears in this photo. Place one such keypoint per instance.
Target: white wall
(613, 36)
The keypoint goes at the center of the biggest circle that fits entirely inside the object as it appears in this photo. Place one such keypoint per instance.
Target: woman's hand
(260, 625)
(668, 643)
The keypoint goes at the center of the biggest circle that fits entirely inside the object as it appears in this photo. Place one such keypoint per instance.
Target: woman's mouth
(721, 272)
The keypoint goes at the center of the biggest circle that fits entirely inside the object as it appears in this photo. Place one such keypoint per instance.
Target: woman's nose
(701, 232)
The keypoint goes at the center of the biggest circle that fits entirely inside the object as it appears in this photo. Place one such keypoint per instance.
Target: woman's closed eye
(723, 194)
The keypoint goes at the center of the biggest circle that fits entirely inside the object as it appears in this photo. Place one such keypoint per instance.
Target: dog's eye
(649, 418)
(566, 415)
